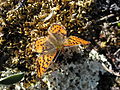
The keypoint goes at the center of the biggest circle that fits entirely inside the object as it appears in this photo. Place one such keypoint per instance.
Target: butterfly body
(56, 41)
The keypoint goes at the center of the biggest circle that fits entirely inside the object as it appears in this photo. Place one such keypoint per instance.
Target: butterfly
(50, 46)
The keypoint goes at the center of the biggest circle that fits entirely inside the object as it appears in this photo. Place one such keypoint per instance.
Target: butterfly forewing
(44, 61)
(73, 40)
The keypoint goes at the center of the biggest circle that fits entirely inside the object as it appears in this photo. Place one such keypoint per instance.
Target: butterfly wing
(43, 45)
(44, 61)
(73, 40)
(57, 32)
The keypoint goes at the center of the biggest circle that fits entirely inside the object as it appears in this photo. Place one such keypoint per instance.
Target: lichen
(82, 74)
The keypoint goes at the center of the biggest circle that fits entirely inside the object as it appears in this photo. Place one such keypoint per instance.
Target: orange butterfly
(49, 46)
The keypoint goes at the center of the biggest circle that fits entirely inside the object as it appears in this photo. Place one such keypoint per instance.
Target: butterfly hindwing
(73, 40)
(44, 61)
(57, 32)
(43, 45)
(57, 28)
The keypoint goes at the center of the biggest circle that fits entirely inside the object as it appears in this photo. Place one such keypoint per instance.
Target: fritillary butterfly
(49, 46)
